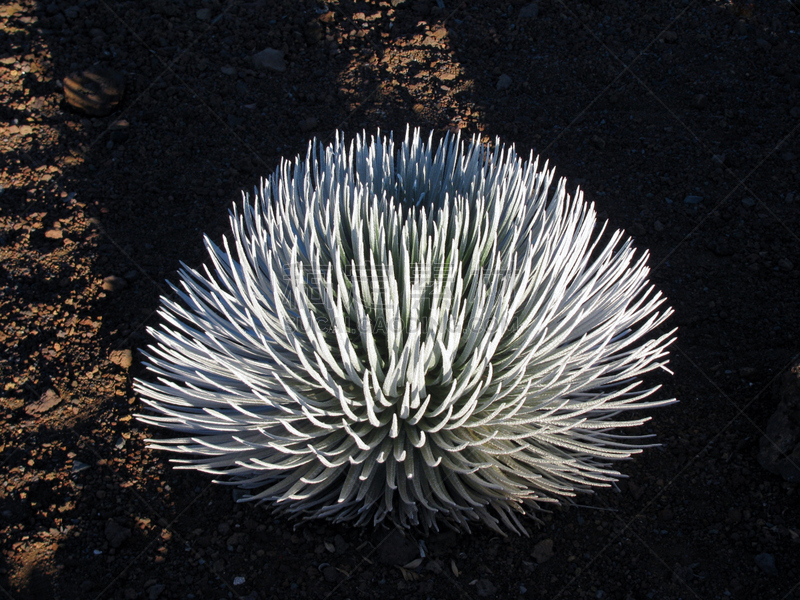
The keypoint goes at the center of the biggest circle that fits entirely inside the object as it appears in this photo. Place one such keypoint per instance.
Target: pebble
(269, 58)
(693, 199)
(766, 562)
(112, 283)
(116, 534)
(121, 358)
(54, 234)
(203, 14)
(78, 466)
(764, 44)
(154, 591)
(50, 399)
(228, 70)
(598, 142)
(529, 11)
(543, 551)
(748, 201)
(670, 37)
(658, 226)
(95, 91)
(504, 82)
(785, 264)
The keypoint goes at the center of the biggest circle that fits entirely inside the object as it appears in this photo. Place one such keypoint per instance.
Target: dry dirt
(645, 104)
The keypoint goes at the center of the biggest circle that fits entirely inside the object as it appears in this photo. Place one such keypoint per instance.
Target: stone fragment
(529, 11)
(766, 562)
(112, 283)
(543, 551)
(121, 358)
(50, 399)
(269, 58)
(116, 534)
(504, 82)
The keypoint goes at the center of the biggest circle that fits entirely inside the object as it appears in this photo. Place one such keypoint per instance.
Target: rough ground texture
(679, 119)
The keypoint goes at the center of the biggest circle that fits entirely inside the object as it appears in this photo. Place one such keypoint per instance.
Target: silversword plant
(423, 333)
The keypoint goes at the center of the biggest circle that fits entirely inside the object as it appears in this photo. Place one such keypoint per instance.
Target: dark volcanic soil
(679, 120)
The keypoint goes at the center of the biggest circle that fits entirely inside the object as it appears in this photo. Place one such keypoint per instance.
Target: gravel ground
(678, 119)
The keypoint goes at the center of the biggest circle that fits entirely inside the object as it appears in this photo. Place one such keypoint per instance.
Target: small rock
(331, 575)
(788, 156)
(95, 91)
(764, 44)
(598, 142)
(504, 82)
(54, 234)
(719, 159)
(203, 14)
(485, 588)
(227, 70)
(529, 11)
(785, 264)
(78, 466)
(749, 202)
(543, 551)
(658, 226)
(46, 401)
(693, 199)
(238, 580)
(154, 591)
(269, 59)
(121, 358)
(116, 534)
(766, 562)
(308, 124)
(112, 283)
